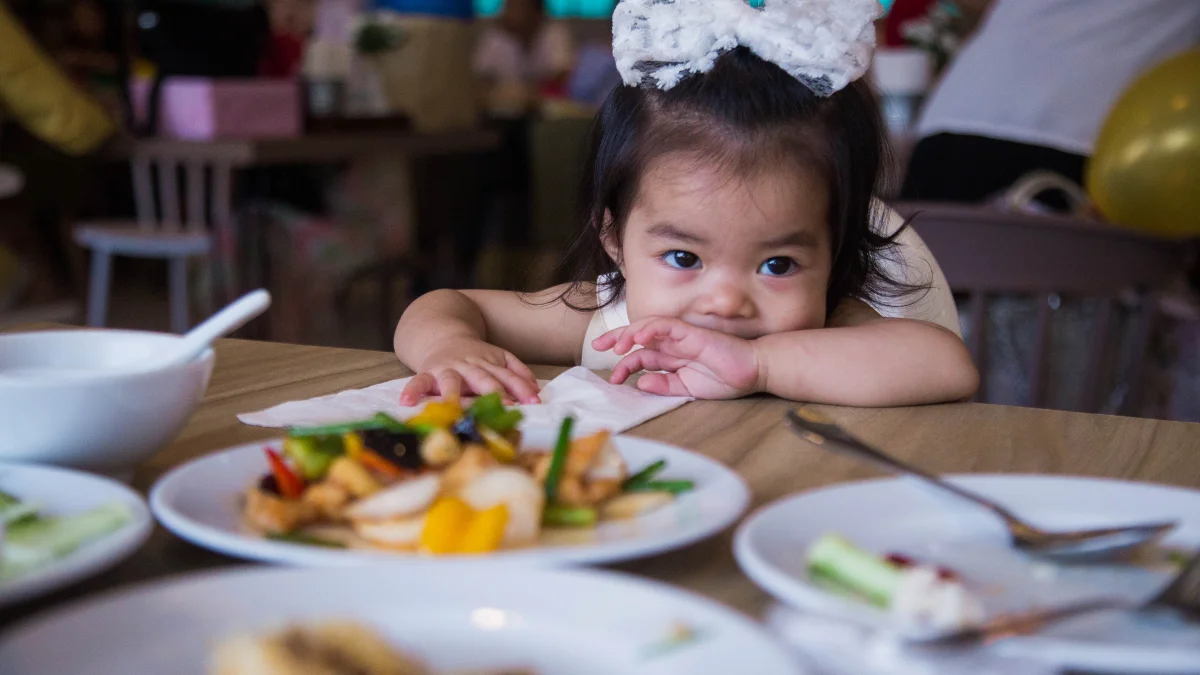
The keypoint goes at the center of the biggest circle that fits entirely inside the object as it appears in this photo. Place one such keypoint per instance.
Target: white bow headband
(826, 44)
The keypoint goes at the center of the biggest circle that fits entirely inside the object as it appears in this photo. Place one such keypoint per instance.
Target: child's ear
(611, 241)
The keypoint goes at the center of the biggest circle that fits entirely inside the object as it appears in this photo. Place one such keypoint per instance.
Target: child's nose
(726, 300)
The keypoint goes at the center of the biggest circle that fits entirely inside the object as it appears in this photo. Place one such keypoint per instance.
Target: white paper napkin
(834, 647)
(594, 403)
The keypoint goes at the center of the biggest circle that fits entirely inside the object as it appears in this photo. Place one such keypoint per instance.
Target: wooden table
(745, 434)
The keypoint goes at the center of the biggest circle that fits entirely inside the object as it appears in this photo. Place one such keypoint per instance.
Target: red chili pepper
(291, 486)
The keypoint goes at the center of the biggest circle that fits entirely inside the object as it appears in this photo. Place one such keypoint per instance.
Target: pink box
(200, 109)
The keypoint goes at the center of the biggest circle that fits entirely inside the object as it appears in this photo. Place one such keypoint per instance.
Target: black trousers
(965, 168)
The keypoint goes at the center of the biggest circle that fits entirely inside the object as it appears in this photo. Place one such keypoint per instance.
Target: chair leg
(177, 282)
(98, 288)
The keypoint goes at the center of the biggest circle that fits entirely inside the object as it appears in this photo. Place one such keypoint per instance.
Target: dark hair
(743, 114)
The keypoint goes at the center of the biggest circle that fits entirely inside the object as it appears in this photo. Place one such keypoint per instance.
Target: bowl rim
(203, 360)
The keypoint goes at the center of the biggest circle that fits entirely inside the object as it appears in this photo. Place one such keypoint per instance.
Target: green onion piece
(488, 404)
(305, 540)
(386, 421)
(378, 421)
(644, 476)
(505, 421)
(557, 515)
(675, 487)
(558, 460)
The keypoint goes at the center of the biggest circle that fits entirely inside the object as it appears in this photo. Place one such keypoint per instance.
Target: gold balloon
(1145, 170)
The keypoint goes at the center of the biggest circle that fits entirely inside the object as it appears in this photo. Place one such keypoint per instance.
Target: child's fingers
(608, 340)
(449, 384)
(517, 366)
(479, 380)
(420, 385)
(673, 329)
(663, 384)
(644, 359)
(518, 387)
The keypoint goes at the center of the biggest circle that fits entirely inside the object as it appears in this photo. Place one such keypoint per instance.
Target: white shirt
(916, 265)
(1046, 72)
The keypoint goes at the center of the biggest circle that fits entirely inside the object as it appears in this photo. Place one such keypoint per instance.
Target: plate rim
(784, 588)
(243, 547)
(87, 561)
(767, 642)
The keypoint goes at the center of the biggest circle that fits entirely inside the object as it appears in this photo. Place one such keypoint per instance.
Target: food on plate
(450, 480)
(335, 648)
(29, 539)
(917, 594)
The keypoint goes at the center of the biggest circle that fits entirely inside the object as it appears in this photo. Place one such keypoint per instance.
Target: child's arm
(478, 341)
(861, 359)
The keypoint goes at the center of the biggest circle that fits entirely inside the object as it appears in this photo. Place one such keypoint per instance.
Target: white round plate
(555, 622)
(906, 517)
(59, 491)
(199, 501)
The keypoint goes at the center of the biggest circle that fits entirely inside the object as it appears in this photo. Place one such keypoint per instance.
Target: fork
(1180, 596)
(1067, 546)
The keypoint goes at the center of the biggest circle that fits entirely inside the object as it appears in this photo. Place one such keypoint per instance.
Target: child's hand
(470, 366)
(701, 363)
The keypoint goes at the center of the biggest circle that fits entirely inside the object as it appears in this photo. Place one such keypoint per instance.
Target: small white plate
(906, 517)
(200, 501)
(59, 491)
(557, 622)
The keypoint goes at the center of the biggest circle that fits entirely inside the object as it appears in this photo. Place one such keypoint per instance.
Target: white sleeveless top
(916, 266)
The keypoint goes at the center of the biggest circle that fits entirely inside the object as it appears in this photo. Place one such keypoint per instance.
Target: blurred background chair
(172, 224)
(990, 256)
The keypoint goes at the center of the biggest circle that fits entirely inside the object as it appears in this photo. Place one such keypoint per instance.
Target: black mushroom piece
(400, 448)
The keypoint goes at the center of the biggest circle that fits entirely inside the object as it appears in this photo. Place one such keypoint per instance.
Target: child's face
(748, 256)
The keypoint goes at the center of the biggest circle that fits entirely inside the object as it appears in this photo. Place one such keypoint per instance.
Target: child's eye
(778, 267)
(681, 259)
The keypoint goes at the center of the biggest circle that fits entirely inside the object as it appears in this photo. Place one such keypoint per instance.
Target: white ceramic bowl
(106, 423)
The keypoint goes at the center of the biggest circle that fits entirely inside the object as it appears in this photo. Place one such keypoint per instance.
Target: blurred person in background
(50, 124)
(519, 58)
(1032, 87)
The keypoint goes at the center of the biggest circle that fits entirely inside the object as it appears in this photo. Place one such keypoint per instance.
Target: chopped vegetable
(558, 459)
(835, 559)
(305, 539)
(290, 485)
(445, 525)
(402, 449)
(379, 421)
(645, 475)
(440, 448)
(312, 455)
(634, 504)
(675, 487)
(375, 462)
(499, 446)
(13, 510)
(557, 515)
(489, 411)
(35, 541)
(352, 475)
(485, 531)
(441, 414)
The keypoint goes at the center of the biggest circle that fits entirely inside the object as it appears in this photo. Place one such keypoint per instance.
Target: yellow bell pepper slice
(445, 526)
(499, 446)
(486, 531)
(438, 414)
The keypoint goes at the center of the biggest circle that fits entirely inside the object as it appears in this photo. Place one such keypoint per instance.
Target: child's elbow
(962, 377)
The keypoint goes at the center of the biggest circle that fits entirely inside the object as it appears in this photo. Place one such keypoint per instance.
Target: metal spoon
(1074, 546)
(1180, 597)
